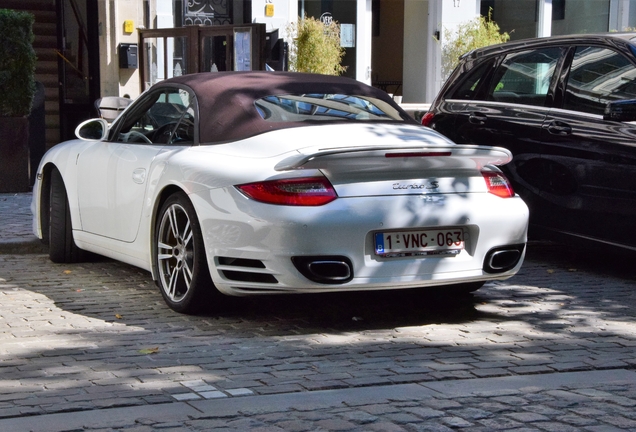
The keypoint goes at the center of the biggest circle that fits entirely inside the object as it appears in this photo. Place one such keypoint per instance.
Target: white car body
(387, 177)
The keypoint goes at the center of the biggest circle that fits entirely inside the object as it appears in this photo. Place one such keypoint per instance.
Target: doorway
(78, 62)
(166, 53)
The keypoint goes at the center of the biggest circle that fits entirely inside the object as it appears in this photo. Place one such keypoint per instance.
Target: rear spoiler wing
(399, 157)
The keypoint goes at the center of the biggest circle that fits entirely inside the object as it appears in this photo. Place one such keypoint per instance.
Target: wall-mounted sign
(326, 18)
(347, 35)
(242, 49)
(269, 10)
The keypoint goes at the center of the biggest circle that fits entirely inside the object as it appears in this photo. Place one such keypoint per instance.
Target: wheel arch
(44, 203)
(162, 196)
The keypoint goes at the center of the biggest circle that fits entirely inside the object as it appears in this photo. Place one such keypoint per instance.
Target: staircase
(45, 45)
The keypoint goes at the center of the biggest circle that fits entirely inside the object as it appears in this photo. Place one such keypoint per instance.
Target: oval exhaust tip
(334, 269)
(503, 259)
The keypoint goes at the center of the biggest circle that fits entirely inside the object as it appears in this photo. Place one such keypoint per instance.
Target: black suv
(564, 106)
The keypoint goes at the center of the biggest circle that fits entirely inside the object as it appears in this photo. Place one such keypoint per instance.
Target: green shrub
(17, 63)
(315, 47)
(476, 33)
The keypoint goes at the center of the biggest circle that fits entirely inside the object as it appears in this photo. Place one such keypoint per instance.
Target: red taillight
(427, 118)
(306, 191)
(498, 184)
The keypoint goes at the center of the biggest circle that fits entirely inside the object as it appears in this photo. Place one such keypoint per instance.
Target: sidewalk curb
(176, 412)
(21, 247)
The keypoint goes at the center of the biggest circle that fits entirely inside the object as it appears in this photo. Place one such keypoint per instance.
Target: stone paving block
(277, 389)
(425, 412)
(367, 381)
(429, 427)
(499, 423)
(456, 422)
(602, 428)
(239, 392)
(576, 420)
(490, 372)
(359, 417)
(619, 421)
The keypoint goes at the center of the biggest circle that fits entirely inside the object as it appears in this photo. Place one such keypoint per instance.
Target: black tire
(179, 257)
(62, 248)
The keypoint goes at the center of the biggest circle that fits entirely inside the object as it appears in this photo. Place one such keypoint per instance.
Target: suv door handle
(559, 128)
(477, 118)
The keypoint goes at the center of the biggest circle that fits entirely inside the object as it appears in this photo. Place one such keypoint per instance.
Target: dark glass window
(164, 117)
(524, 77)
(598, 76)
(467, 90)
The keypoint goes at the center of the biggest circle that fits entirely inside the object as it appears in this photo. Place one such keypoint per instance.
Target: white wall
(363, 41)
(422, 52)
(285, 11)
(112, 14)
(417, 37)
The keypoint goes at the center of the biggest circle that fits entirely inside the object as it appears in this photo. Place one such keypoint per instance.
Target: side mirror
(92, 130)
(622, 111)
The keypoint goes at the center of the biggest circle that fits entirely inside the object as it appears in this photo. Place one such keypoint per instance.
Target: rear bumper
(251, 247)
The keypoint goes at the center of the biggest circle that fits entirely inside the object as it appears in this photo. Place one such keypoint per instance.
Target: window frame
(142, 105)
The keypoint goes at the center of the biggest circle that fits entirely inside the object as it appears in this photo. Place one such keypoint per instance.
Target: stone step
(46, 54)
(51, 107)
(44, 41)
(46, 68)
(53, 121)
(48, 79)
(45, 28)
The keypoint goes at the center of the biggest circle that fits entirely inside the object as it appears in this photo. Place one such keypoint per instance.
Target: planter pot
(14, 154)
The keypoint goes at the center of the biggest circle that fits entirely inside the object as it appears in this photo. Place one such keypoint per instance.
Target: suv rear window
(598, 76)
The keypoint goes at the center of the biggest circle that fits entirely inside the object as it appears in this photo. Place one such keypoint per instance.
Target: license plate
(444, 241)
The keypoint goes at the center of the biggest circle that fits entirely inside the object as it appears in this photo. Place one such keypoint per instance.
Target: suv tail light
(427, 118)
(305, 191)
(498, 184)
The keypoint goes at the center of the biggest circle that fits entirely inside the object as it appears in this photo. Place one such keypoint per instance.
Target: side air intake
(244, 270)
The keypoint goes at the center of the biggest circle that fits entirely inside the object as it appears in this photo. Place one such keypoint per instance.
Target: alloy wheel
(175, 252)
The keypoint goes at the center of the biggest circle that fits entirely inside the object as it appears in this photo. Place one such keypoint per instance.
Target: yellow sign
(269, 10)
(129, 26)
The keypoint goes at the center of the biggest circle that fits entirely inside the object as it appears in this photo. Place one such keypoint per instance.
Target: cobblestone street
(551, 349)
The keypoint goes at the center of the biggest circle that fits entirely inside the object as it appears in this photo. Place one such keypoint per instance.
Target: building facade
(391, 44)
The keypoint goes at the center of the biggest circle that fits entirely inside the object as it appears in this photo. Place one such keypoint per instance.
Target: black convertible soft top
(226, 99)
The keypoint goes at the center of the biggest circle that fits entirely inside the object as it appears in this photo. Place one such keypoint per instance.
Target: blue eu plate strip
(379, 243)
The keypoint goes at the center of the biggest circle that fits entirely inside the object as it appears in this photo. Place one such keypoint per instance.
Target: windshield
(324, 107)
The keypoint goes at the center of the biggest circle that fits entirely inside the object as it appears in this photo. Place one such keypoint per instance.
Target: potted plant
(476, 33)
(17, 81)
(315, 47)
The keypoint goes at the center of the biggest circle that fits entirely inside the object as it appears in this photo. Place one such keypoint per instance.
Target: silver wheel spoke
(172, 285)
(172, 215)
(162, 248)
(187, 234)
(187, 274)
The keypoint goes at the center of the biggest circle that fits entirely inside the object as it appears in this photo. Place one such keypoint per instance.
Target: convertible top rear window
(324, 107)
(239, 105)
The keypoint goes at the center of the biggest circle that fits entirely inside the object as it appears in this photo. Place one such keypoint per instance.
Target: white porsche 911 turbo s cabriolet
(247, 183)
